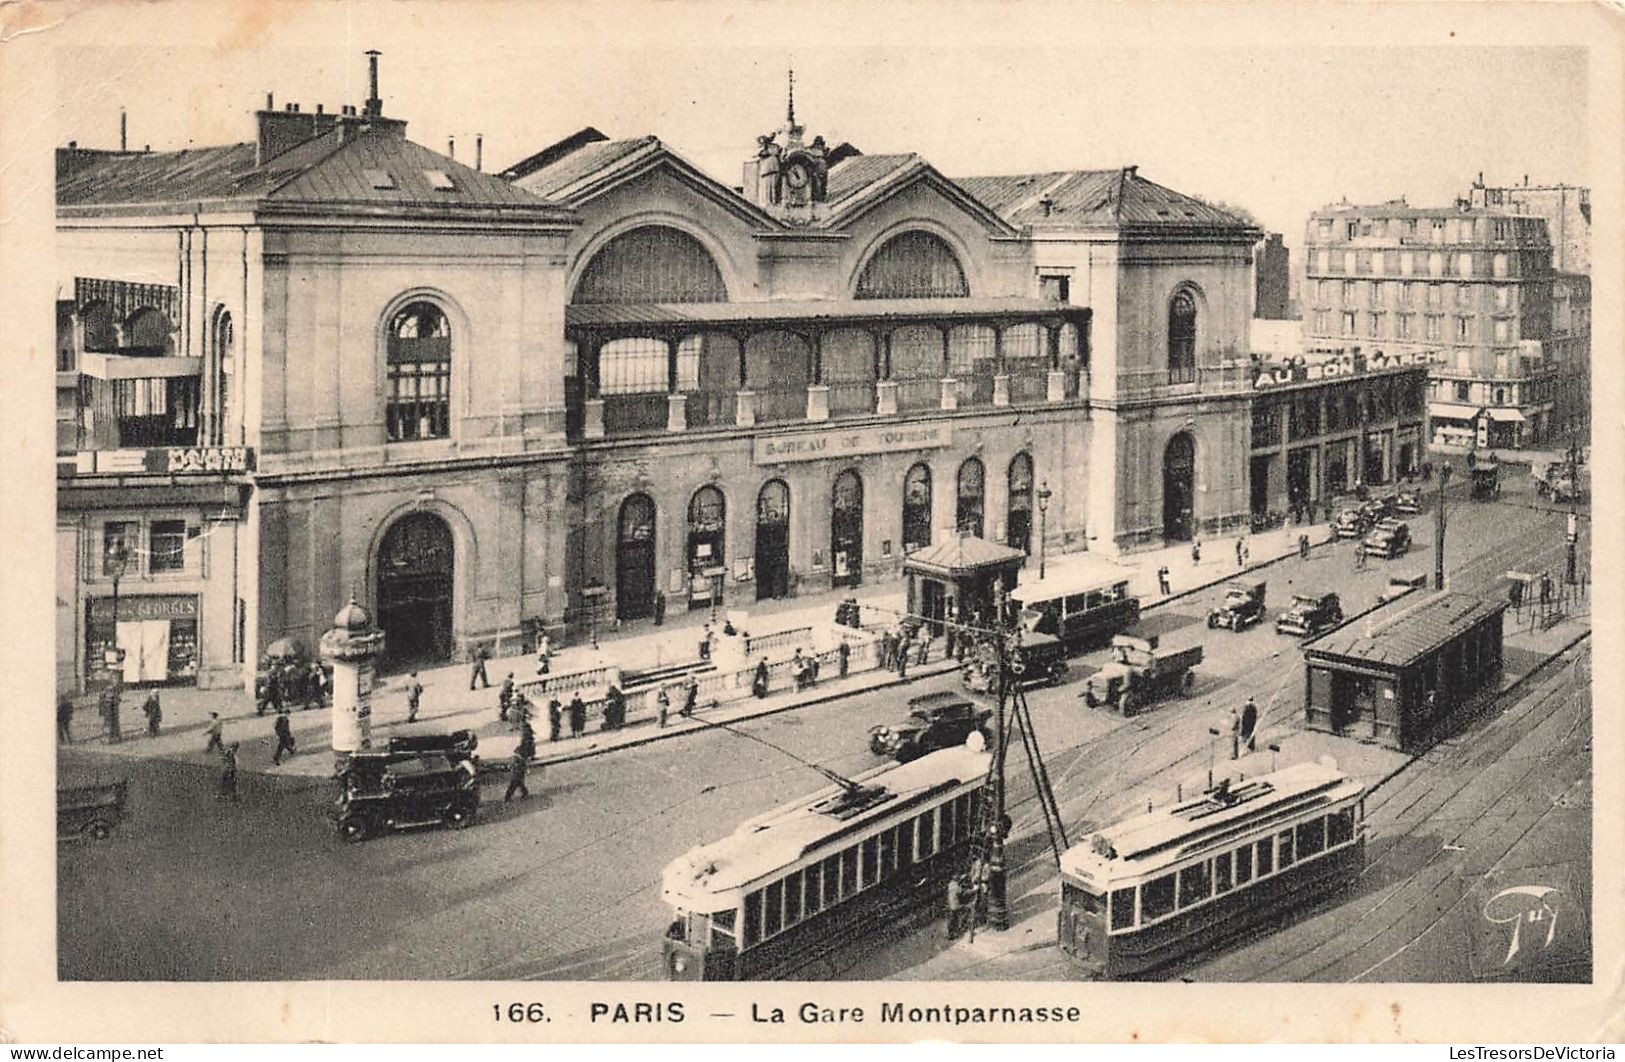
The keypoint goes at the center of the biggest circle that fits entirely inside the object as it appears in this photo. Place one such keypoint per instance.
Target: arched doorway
(707, 520)
(1178, 488)
(415, 565)
(1018, 526)
(972, 478)
(917, 508)
(846, 530)
(773, 540)
(635, 558)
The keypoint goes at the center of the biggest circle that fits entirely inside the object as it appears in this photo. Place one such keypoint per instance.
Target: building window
(1321, 323)
(1351, 262)
(1464, 329)
(1436, 232)
(1464, 390)
(1348, 293)
(1435, 326)
(1500, 396)
(1402, 326)
(1055, 289)
(1464, 294)
(1503, 330)
(418, 388)
(1498, 265)
(1375, 293)
(917, 508)
(1266, 425)
(1374, 325)
(1325, 228)
(119, 537)
(1503, 298)
(1435, 264)
(1379, 263)
(913, 265)
(167, 546)
(1019, 492)
(707, 520)
(1323, 261)
(1182, 337)
(1351, 229)
(968, 518)
(1323, 291)
(1502, 228)
(1407, 263)
(1435, 295)
(1348, 323)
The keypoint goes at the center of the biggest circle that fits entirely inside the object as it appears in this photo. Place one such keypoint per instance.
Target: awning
(1508, 415)
(1454, 411)
(795, 311)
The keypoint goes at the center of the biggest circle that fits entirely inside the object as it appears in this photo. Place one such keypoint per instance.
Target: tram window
(1244, 865)
(792, 899)
(849, 872)
(753, 918)
(871, 862)
(1122, 908)
(1082, 899)
(815, 888)
(1077, 604)
(1312, 837)
(905, 843)
(1285, 837)
(928, 835)
(1119, 591)
(947, 824)
(1157, 897)
(1266, 857)
(888, 853)
(723, 921)
(1195, 885)
(773, 910)
(1221, 873)
(1340, 828)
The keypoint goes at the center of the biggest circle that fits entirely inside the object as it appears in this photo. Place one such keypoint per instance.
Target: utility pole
(1438, 531)
(998, 909)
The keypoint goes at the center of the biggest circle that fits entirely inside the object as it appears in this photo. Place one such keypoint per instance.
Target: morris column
(352, 646)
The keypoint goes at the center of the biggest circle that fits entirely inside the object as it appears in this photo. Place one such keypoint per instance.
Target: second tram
(793, 885)
(1181, 880)
(1083, 607)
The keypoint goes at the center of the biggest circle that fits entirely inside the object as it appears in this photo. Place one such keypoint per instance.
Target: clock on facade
(797, 175)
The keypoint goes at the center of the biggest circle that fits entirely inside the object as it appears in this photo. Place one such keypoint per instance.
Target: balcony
(1203, 379)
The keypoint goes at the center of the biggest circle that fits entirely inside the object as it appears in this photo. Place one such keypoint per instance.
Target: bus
(1176, 882)
(1083, 607)
(847, 863)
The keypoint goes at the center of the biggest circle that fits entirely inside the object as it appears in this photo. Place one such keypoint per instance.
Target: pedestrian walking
(154, 711)
(705, 643)
(317, 685)
(1196, 552)
(691, 698)
(527, 743)
(660, 607)
(1359, 556)
(1162, 581)
(1241, 554)
(544, 654)
(1249, 725)
(885, 651)
(758, 683)
(262, 694)
(505, 698)
(925, 647)
(517, 767)
(578, 715)
(228, 773)
(843, 653)
(903, 648)
(1303, 547)
(481, 655)
(1235, 734)
(555, 719)
(662, 706)
(284, 738)
(213, 731)
(64, 720)
(614, 708)
(274, 687)
(414, 697)
(956, 907)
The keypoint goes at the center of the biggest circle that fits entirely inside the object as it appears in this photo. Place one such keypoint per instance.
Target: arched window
(846, 529)
(418, 387)
(971, 484)
(1182, 337)
(635, 558)
(913, 265)
(707, 524)
(917, 508)
(653, 263)
(147, 334)
(101, 333)
(1019, 524)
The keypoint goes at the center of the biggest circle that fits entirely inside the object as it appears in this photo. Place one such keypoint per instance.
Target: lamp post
(998, 908)
(1044, 494)
(1438, 530)
(118, 560)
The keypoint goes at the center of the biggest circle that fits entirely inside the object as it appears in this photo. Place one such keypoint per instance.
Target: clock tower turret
(788, 176)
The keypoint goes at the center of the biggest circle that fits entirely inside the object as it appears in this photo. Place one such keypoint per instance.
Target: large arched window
(917, 508)
(147, 333)
(653, 263)
(1182, 337)
(913, 265)
(1019, 524)
(101, 333)
(971, 484)
(707, 524)
(417, 390)
(846, 529)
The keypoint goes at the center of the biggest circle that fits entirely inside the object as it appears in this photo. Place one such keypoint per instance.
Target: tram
(1178, 881)
(1083, 607)
(805, 879)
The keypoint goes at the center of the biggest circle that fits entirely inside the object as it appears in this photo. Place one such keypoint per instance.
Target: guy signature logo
(1521, 905)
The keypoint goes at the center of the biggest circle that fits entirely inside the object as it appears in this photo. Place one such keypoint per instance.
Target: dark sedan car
(935, 721)
(1310, 614)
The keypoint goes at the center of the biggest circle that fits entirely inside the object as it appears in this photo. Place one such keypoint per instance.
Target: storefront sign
(168, 460)
(152, 607)
(817, 446)
(1267, 376)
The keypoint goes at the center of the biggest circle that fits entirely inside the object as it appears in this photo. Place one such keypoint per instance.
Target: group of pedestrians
(287, 683)
(109, 705)
(903, 645)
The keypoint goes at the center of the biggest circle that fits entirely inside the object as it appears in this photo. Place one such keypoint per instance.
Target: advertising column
(352, 646)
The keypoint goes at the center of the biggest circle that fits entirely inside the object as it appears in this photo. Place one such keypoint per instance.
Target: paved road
(565, 885)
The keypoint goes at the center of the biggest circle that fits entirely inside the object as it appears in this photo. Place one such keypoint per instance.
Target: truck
(1140, 672)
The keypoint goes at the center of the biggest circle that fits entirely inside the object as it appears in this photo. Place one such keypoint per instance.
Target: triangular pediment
(912, 174)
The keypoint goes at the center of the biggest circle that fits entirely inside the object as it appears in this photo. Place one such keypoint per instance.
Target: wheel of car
(460, 817)
(354, 828)
(1212, 621)
(1187, 684)
(1090, 699)
(1125, 704)
(98, 829)
(875, 745)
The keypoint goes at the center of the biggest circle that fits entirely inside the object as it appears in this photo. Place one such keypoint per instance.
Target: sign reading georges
(818, 446)
(146, 607)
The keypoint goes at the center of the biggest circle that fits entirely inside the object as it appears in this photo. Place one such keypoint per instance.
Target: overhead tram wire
(845, 783)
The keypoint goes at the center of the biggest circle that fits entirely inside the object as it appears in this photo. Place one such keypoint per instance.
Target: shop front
(152, 639)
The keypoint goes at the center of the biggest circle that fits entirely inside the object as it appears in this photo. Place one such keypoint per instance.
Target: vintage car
(1352, 522)
(935, 721)
(1243, 605)
(1407, 502)
(385, 791)
(1377, 509)
(1402, 584)
(1310, 614)
(1040, 659)
(1390, 538)
(90, 812)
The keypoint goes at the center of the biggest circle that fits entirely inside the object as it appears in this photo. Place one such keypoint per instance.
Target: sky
(1268, 109)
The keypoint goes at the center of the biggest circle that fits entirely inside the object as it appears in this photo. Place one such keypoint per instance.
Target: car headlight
(679, 964)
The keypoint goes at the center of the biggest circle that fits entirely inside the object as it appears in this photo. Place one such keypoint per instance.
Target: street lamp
(118, 560)
(1044, 494)
(1438, 529)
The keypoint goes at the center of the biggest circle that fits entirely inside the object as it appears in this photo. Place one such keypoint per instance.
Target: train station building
(602, 381)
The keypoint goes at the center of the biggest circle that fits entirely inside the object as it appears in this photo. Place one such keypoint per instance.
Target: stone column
(1001, 389)
(886, 397)
(745, 408)
(1056, 386)
(950, 393)
(818, 402)
(352, 646)
(676, 412)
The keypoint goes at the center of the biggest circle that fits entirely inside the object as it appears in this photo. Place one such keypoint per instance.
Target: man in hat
(578, 715)
(481, 655)
(414, 697)
(1249, 724)
(228, 773)
(213, 732)
(517, 766)
(505, 698)
(284, 738)
(154, 711)
(555, 718)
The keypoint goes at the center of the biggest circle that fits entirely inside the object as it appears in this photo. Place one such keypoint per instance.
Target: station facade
(602, 382)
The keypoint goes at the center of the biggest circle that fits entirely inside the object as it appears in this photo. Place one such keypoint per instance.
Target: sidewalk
(449, 704)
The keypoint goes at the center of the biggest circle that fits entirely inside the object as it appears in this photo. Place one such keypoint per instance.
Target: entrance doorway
(846, 530)
(635, 559)
(415, 565)
(1018, 525)
(1179, 488)
(1300, 477)
(1258, 501)
(773, 540)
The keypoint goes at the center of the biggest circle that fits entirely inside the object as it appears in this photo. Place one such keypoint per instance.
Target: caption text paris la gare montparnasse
(818, 1014)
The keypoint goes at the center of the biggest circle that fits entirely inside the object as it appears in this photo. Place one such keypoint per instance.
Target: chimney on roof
(375, 106)
(479, 151)
(1047, 205)
(123, 130)
(451, 146)
(1132, 171)
(270, 101)
(320, 109)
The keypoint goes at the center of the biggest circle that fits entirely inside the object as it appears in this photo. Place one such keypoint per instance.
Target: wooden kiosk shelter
(954, 579)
